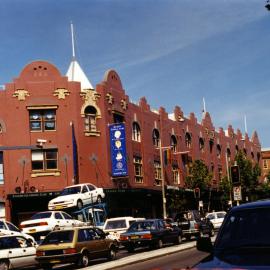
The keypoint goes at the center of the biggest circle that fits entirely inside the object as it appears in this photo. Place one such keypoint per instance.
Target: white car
(42, 223)
(115, 226)
(216, 218)
(77, 196)
(16, 252)
(8, 228)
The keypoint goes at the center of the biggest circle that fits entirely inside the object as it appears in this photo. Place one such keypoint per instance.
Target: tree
(199, 176)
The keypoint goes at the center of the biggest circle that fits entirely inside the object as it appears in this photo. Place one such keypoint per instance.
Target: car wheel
(130, 249)
(4, 265)
(83, 260)
(212, 232)
(99, 199)
(79, 204)
(159, 243)
(178, 240)
(46, 266)
(112, 254)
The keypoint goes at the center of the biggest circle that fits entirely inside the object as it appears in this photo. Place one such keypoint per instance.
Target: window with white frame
(90, 115)
(175, 174)
(44, 160)
(158, 174)
(136, 132)
(155, 137)
(138, 172)
(188, 140)
(1, 168)
(42, 120)
(174, 143)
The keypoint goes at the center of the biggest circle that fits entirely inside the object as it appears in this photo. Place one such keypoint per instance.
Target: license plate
(55, 261)
(58, 207)
(32, 230)
(134, 237)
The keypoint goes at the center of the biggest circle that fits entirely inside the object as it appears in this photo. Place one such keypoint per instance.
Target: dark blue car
(151, 233)
(243, 241)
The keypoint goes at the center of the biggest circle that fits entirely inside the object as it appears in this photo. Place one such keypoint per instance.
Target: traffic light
(235, 174)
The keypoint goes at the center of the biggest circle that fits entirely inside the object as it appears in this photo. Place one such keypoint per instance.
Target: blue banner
(118, 149)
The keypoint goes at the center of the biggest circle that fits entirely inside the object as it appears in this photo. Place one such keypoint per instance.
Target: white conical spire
(75, 72)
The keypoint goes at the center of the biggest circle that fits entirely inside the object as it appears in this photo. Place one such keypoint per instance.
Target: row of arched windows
(136, 136)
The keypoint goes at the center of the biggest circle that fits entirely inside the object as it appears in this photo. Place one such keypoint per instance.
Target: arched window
(211, 145)
(201, 145)
(174, 143)
(218, 151)
(245, 151)
(228, 154)
(155, 137)
(136, 132)
(236, 149)
(90, 114)
(188, 140)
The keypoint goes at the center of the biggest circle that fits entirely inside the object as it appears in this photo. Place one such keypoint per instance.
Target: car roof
(79, 185)
(252, 205)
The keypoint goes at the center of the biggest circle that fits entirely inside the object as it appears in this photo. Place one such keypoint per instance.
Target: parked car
(193, 224)
(42, 223)
(77, 196)
(9, 228)
(16, 252)
(243, 241)
(152, 233)
(115, 226)
(75, 245)
(216, 218)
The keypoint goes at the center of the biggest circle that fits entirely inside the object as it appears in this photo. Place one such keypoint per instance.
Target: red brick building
(54, 132)
(265, 162)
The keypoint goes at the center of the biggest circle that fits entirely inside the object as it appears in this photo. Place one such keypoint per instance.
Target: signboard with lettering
(118, 150)
(237, 194)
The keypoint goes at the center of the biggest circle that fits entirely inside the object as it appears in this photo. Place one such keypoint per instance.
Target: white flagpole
(245, 119)
(204, 106)
(72, 40)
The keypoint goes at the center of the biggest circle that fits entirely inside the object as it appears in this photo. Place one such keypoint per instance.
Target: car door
(21, 252)
(69, 221)
(86, 195)
(93, 193)
(59, 220)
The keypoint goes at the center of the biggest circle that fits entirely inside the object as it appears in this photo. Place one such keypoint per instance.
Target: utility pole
(163, 179)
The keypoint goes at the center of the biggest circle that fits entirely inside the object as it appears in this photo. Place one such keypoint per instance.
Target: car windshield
(42, 215)
(116, 224)
(245, 229)
(142, 226)
(70, 190)
(58, 237)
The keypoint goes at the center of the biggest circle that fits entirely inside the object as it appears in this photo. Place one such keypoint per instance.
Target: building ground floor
(136, 202)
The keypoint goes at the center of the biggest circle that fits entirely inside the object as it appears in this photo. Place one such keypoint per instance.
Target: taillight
(146, 236)
(40, 253)
(22, 226)
(196, 226)
(69, 251)
(44, 223)
(123, 238)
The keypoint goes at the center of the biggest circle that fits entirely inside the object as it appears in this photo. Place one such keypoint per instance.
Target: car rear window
(142, 226)
(221, 215)
(42, 215)
(58, 237)
(116, 224)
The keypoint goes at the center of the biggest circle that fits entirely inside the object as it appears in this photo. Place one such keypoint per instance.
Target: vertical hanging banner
(118, 149)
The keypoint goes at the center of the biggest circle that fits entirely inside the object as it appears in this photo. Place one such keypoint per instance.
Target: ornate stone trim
(124, 104)
(109, 98)
(61, 93)
(21, 94)
(92, 133)
(38, 174)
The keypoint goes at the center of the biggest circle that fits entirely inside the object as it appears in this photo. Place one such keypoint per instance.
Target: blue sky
(173, 52)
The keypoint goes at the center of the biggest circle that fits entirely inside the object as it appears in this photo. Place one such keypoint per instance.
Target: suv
(75, 245)
(192, 224)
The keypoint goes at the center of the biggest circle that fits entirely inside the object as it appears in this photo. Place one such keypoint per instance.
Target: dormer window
(155, 137)
(90, 115)
(136, 132)
(173, 143)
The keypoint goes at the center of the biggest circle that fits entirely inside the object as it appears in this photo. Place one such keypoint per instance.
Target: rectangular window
(42, 120)
(158, 174)
(1, 169)
(175, 173)
(44, 160)
(137, 161)
(265, 164)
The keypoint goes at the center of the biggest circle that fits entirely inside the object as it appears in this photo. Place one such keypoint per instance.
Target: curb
(140, 257)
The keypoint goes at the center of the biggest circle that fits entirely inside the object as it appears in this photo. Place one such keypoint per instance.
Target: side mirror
(204, 244)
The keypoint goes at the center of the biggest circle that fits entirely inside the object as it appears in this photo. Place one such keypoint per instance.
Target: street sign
(237, 194)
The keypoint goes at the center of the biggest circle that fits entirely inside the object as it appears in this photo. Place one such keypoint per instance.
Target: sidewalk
(139, 257)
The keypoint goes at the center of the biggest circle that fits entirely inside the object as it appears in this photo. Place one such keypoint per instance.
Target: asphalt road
(175, 261)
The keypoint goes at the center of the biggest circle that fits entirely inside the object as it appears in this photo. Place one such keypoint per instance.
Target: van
(115, 226)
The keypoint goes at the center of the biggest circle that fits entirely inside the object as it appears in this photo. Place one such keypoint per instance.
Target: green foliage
(199, 176)
(249, 174)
